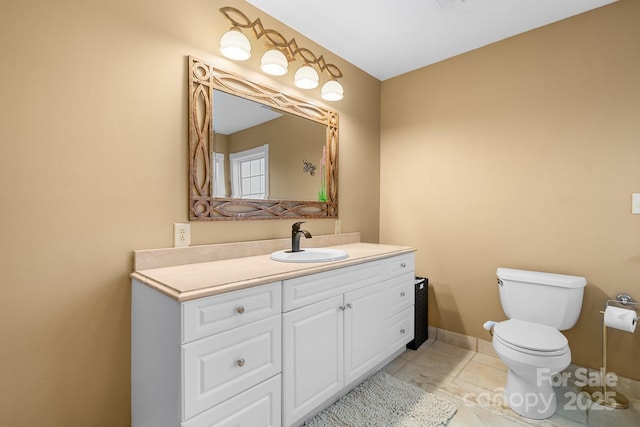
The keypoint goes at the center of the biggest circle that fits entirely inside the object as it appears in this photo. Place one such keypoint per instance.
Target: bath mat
(385, 401)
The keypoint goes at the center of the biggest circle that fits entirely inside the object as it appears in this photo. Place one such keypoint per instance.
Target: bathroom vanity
(242, 339)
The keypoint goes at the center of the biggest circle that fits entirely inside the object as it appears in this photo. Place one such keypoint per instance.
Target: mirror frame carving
(203, 78)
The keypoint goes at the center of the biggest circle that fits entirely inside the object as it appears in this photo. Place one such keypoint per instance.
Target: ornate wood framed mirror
(212, 153)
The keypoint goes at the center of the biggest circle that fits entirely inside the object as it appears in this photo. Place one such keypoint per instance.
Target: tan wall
(522, 154)
(291, 140)
(93, 164)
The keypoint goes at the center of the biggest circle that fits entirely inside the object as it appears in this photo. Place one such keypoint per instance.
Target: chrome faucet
(295, 236)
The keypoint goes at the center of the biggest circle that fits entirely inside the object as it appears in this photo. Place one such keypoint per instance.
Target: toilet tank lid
(542, 278)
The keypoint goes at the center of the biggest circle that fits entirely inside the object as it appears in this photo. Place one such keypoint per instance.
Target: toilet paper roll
(620, 318)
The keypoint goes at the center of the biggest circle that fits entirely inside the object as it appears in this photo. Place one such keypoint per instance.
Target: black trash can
(421, 331)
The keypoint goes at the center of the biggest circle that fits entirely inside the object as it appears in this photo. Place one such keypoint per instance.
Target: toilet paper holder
(600, 394)
(623, 300)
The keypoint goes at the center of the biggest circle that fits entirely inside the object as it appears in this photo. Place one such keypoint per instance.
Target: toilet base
(531, 399)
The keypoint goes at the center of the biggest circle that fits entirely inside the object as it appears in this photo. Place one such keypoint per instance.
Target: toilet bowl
(539, 305)
(533, 353)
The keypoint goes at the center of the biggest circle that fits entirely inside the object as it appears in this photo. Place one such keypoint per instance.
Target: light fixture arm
(289, 48)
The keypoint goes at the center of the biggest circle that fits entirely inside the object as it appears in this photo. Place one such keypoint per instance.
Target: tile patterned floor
(474, 382)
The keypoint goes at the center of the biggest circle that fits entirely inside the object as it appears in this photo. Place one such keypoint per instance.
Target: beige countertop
(189, 281)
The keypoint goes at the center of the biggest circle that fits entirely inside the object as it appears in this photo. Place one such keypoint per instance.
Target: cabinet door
(313, 356)
(364, 330)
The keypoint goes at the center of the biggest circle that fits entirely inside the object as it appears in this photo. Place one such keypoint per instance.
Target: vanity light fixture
(306, 77)
(274, 63)
(235, 45)
(332, 91)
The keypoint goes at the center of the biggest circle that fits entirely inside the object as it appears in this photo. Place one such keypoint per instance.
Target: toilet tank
(550, 299)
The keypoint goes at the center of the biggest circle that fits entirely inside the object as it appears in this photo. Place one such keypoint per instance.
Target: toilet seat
(531, 338)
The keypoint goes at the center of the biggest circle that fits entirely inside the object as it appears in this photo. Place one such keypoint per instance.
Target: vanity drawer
(220, 366)
(207, 316)
(400, 330)
(306, 290)
(400, 264)
(400, 293)
(258, 406)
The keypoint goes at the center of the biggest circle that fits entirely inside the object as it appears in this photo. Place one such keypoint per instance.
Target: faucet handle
(296, 227)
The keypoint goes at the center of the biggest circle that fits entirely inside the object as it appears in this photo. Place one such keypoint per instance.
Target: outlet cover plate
(181, 235)
(635, 203)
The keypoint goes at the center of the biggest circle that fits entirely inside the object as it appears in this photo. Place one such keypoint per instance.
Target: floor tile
(483, 375)
(441, 363)
(474, 383)
(494, 362)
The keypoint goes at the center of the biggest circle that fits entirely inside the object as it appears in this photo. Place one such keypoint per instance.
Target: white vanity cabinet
(341, 325)
(211, 361)
(277, 342)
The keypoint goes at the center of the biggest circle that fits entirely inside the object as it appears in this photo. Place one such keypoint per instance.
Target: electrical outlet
(338, 226)
(181, 235)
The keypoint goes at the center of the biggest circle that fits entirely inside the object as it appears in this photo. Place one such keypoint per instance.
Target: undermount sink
(310, 255)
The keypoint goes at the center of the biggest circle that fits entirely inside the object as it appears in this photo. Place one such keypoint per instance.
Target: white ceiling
(387, 38)
(233, 114)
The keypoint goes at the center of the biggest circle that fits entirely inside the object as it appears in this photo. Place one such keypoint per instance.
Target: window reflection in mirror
(273, 147)
(250, 173)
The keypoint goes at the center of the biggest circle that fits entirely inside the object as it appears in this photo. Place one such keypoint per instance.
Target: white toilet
(538, 305)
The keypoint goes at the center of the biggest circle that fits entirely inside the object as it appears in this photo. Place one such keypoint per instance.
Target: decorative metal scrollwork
(289, 48)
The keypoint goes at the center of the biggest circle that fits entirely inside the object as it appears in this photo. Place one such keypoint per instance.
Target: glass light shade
(235, 45)
(306, 78)
(332, 91)
(274, 62)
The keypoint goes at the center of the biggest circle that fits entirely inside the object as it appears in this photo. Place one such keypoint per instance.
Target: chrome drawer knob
(403, 294)
(240, 362)
(240, 309)
(403, 265)
(402, 331)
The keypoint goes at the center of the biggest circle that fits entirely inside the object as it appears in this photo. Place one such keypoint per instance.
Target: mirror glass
(256, 152)
(261, 152)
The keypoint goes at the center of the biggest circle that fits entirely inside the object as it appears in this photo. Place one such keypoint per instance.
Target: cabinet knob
(240, 362)
(403, 265)
(403, 294)
(402, 331)
(349, 305)
(341, 308)
(240, 309)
